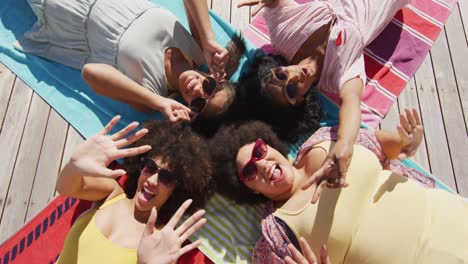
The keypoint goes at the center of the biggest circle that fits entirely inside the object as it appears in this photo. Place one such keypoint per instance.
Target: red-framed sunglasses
(259, 152)
(149, 167)
(209, 86)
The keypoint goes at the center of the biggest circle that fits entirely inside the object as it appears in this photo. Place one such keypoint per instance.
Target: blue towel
(62, 87)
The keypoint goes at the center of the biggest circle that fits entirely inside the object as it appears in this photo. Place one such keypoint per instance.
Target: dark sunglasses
(290, 90)
(149, 167)
(209, 86)
(259, 151)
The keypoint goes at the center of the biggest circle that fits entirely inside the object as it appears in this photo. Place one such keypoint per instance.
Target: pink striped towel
(391, 59)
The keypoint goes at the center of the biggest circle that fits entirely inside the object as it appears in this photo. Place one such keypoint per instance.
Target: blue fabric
(61, 86)
(64, 90)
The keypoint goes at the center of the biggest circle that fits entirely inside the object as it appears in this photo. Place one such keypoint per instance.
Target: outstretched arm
(110, 82)
(404, 142)
(260, 4)
(86, 175)
(349, 122)
(200, 25)
(332, 174)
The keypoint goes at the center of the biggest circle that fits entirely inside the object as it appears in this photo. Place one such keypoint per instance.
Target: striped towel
(388, 67)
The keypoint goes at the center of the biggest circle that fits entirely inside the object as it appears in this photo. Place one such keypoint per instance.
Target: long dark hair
(288, 122)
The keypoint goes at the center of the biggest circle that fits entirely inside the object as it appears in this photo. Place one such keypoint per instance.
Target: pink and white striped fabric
(391, 59)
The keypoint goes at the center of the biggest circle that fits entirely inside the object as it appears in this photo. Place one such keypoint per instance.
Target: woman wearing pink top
(322, 42)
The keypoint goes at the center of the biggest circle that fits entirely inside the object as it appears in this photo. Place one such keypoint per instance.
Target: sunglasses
(209, 86)
(259, 151)
(290, 90)
(149, 167)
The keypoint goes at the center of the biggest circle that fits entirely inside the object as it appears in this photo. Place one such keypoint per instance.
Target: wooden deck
(36, 141)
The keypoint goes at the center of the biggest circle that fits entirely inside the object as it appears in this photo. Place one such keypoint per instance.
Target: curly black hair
(288, 122)
(188, 158)
(224, 147)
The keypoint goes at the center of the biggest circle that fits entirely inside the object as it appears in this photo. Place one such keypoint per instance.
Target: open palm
(411, 133)
(93, 156)
(165, 246)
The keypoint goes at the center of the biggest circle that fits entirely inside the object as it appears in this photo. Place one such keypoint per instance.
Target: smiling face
(303, 76)
(275, 175)
(151, 190)
(191, 88)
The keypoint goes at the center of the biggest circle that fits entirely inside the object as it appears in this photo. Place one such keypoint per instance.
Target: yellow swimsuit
(383, 217)
(86, 244)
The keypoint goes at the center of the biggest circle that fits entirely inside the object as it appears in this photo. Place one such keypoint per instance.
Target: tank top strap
(320, 139)
(112, 201)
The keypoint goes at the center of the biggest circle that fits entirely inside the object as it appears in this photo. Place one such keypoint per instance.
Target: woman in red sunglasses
(323, 43)
(138, 53)
(165, 166)
(381, 217)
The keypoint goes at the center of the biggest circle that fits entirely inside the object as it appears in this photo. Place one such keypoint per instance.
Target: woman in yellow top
(381, 217)
(164, 169)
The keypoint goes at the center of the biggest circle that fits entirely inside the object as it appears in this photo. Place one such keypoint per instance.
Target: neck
(299, 180)
(140, 216)
(175, 64)
(314, 47)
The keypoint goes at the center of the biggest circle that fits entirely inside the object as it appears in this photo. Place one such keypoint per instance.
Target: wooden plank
(458, 46)
(73, 140)
(452, 109)
(462, 9)
(409, 98)
(222, 8)
(10, 138)
(25, 167)
(438, 152)
(49, 164)
(7, 79)
(240, 17)
(391, 120)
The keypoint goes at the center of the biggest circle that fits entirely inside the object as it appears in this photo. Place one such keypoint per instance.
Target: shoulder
(314, 157)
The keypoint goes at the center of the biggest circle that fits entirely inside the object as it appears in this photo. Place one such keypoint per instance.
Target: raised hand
(165, 246)
(411, 132)
(260, 3)
(332, 173)
(93, 156)
(216, 57)
(309, 256)
(174, 111)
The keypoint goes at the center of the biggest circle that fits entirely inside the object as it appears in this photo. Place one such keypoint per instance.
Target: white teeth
(148, 191)
(272, 170)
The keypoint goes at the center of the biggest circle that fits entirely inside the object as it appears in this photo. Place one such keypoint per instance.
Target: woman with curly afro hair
(251, 166)
(166, 167)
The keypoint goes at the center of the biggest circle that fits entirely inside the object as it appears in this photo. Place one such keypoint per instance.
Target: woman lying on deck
(138, 53)
(381, 217)
(165, 168)
(323, 44)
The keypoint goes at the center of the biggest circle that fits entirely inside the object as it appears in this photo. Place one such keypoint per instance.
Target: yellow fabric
(383, 217)
(86, 244)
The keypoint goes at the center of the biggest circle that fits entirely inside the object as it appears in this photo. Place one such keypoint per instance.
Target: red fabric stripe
(384, 76)
(420, 24)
